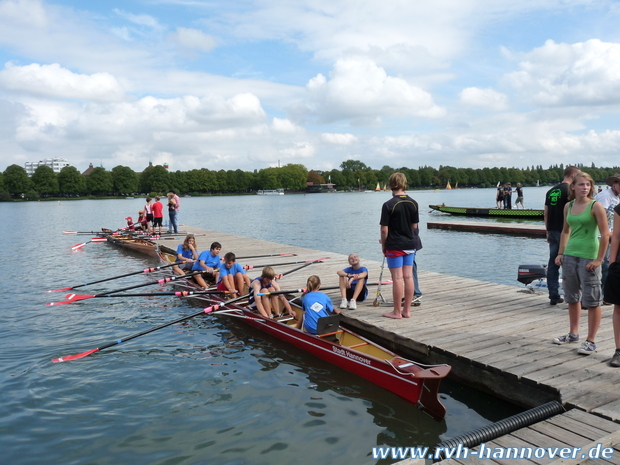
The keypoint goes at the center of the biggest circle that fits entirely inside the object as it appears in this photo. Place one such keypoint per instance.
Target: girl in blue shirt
(315, 305)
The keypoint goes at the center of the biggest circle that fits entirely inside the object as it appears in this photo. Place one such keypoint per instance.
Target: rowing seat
(328, 326)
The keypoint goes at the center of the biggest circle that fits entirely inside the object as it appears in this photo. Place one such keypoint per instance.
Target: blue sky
(248, 84)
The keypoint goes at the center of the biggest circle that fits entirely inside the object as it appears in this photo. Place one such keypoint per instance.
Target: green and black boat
(491, 212)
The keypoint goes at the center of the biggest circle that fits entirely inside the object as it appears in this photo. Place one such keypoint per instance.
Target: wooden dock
(496, 337)
(489, 227)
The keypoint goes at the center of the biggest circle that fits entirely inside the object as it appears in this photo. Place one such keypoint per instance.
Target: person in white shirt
(609, 198)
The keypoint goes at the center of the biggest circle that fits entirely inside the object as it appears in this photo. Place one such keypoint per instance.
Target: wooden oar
(210, 309)
(250, 267)
(94, 239)
(329, 288)
(77, 297)
(146, 270)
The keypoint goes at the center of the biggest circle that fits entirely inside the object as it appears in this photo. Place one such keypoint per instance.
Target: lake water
(210, 390)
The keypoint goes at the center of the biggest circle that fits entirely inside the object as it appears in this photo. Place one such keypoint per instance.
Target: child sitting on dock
(267, 305)
(315, 305)
(353, 283)
(232, 276)
(130, 224)
(209, 263)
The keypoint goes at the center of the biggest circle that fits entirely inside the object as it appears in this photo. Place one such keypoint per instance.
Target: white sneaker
(343, 304)
(352, 304)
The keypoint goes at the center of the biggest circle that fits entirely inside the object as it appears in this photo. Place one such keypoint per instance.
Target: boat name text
(351, 355)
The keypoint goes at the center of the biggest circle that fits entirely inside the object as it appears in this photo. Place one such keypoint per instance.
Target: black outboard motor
(529, 273)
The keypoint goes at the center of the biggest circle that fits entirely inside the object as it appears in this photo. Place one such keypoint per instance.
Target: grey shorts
(581, 285)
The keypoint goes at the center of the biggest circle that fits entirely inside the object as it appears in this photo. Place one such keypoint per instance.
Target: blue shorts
(399, 262)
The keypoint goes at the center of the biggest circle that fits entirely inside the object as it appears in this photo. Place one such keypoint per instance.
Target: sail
(378, 188)
(456, 186)
(448, 186)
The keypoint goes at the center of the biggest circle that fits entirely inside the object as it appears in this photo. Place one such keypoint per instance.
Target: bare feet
(406, 314)
(392, 314)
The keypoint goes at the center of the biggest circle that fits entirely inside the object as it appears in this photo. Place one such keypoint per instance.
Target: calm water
(210, 390)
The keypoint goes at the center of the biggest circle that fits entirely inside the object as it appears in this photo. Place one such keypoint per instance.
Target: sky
(251, 84)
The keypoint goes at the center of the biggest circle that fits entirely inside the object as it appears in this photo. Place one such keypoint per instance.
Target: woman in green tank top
(580, 256)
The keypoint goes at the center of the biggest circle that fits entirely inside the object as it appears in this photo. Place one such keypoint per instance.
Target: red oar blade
(99, 239)
(69, 232)
(71, 298)
(78, 246)
(63, 289)
(68, 358)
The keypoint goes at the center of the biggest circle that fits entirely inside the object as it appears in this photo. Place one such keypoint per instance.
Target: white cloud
(486, 98)
(285, 126)
(56, 82)
(24, 12)
(360, 91)
(140, 20)
(299, 150)
(338, 139)
(559, 74)
(193, 39)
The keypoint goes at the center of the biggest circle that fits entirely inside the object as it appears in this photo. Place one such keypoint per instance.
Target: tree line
(352, 175)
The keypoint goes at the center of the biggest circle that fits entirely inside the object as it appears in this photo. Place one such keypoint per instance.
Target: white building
(54, 163)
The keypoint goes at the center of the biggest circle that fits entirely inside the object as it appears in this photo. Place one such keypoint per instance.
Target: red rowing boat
(342, 347)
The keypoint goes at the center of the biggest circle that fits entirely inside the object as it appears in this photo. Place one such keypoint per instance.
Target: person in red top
(142, 223)
(158, 214)
(130, 224)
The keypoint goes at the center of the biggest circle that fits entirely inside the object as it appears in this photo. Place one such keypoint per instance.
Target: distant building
(88, 170)
(56, 164)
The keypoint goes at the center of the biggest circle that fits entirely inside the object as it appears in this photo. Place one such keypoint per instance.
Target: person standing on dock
(612, 284)
(158, 214)
(499, 198)
(609, 198)
(519, 196)
(399, 241)
(508, 196)
(174, 204)
(555, 200)
(580, 256)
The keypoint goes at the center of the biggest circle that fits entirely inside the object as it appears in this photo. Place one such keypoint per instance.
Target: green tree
(124, 180)
(268, 179)
(70, 181)
(16, 180)
(99, 182)
(293, 176)
(44, 181)
(154, 179)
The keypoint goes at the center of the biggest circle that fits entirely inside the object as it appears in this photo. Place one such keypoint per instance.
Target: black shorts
(611, 291)
(149, 217)
(158, 221)
(361, 297)
(208, 276)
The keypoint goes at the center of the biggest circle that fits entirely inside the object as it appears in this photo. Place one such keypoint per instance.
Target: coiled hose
(502, 427)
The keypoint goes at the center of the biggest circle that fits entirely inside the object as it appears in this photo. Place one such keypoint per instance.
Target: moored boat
(270, 192)
(342, 347)
(491, 212)
(131, 242)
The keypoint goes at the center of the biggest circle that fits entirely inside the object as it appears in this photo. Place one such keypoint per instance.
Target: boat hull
(490, 212)
(355, 354)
